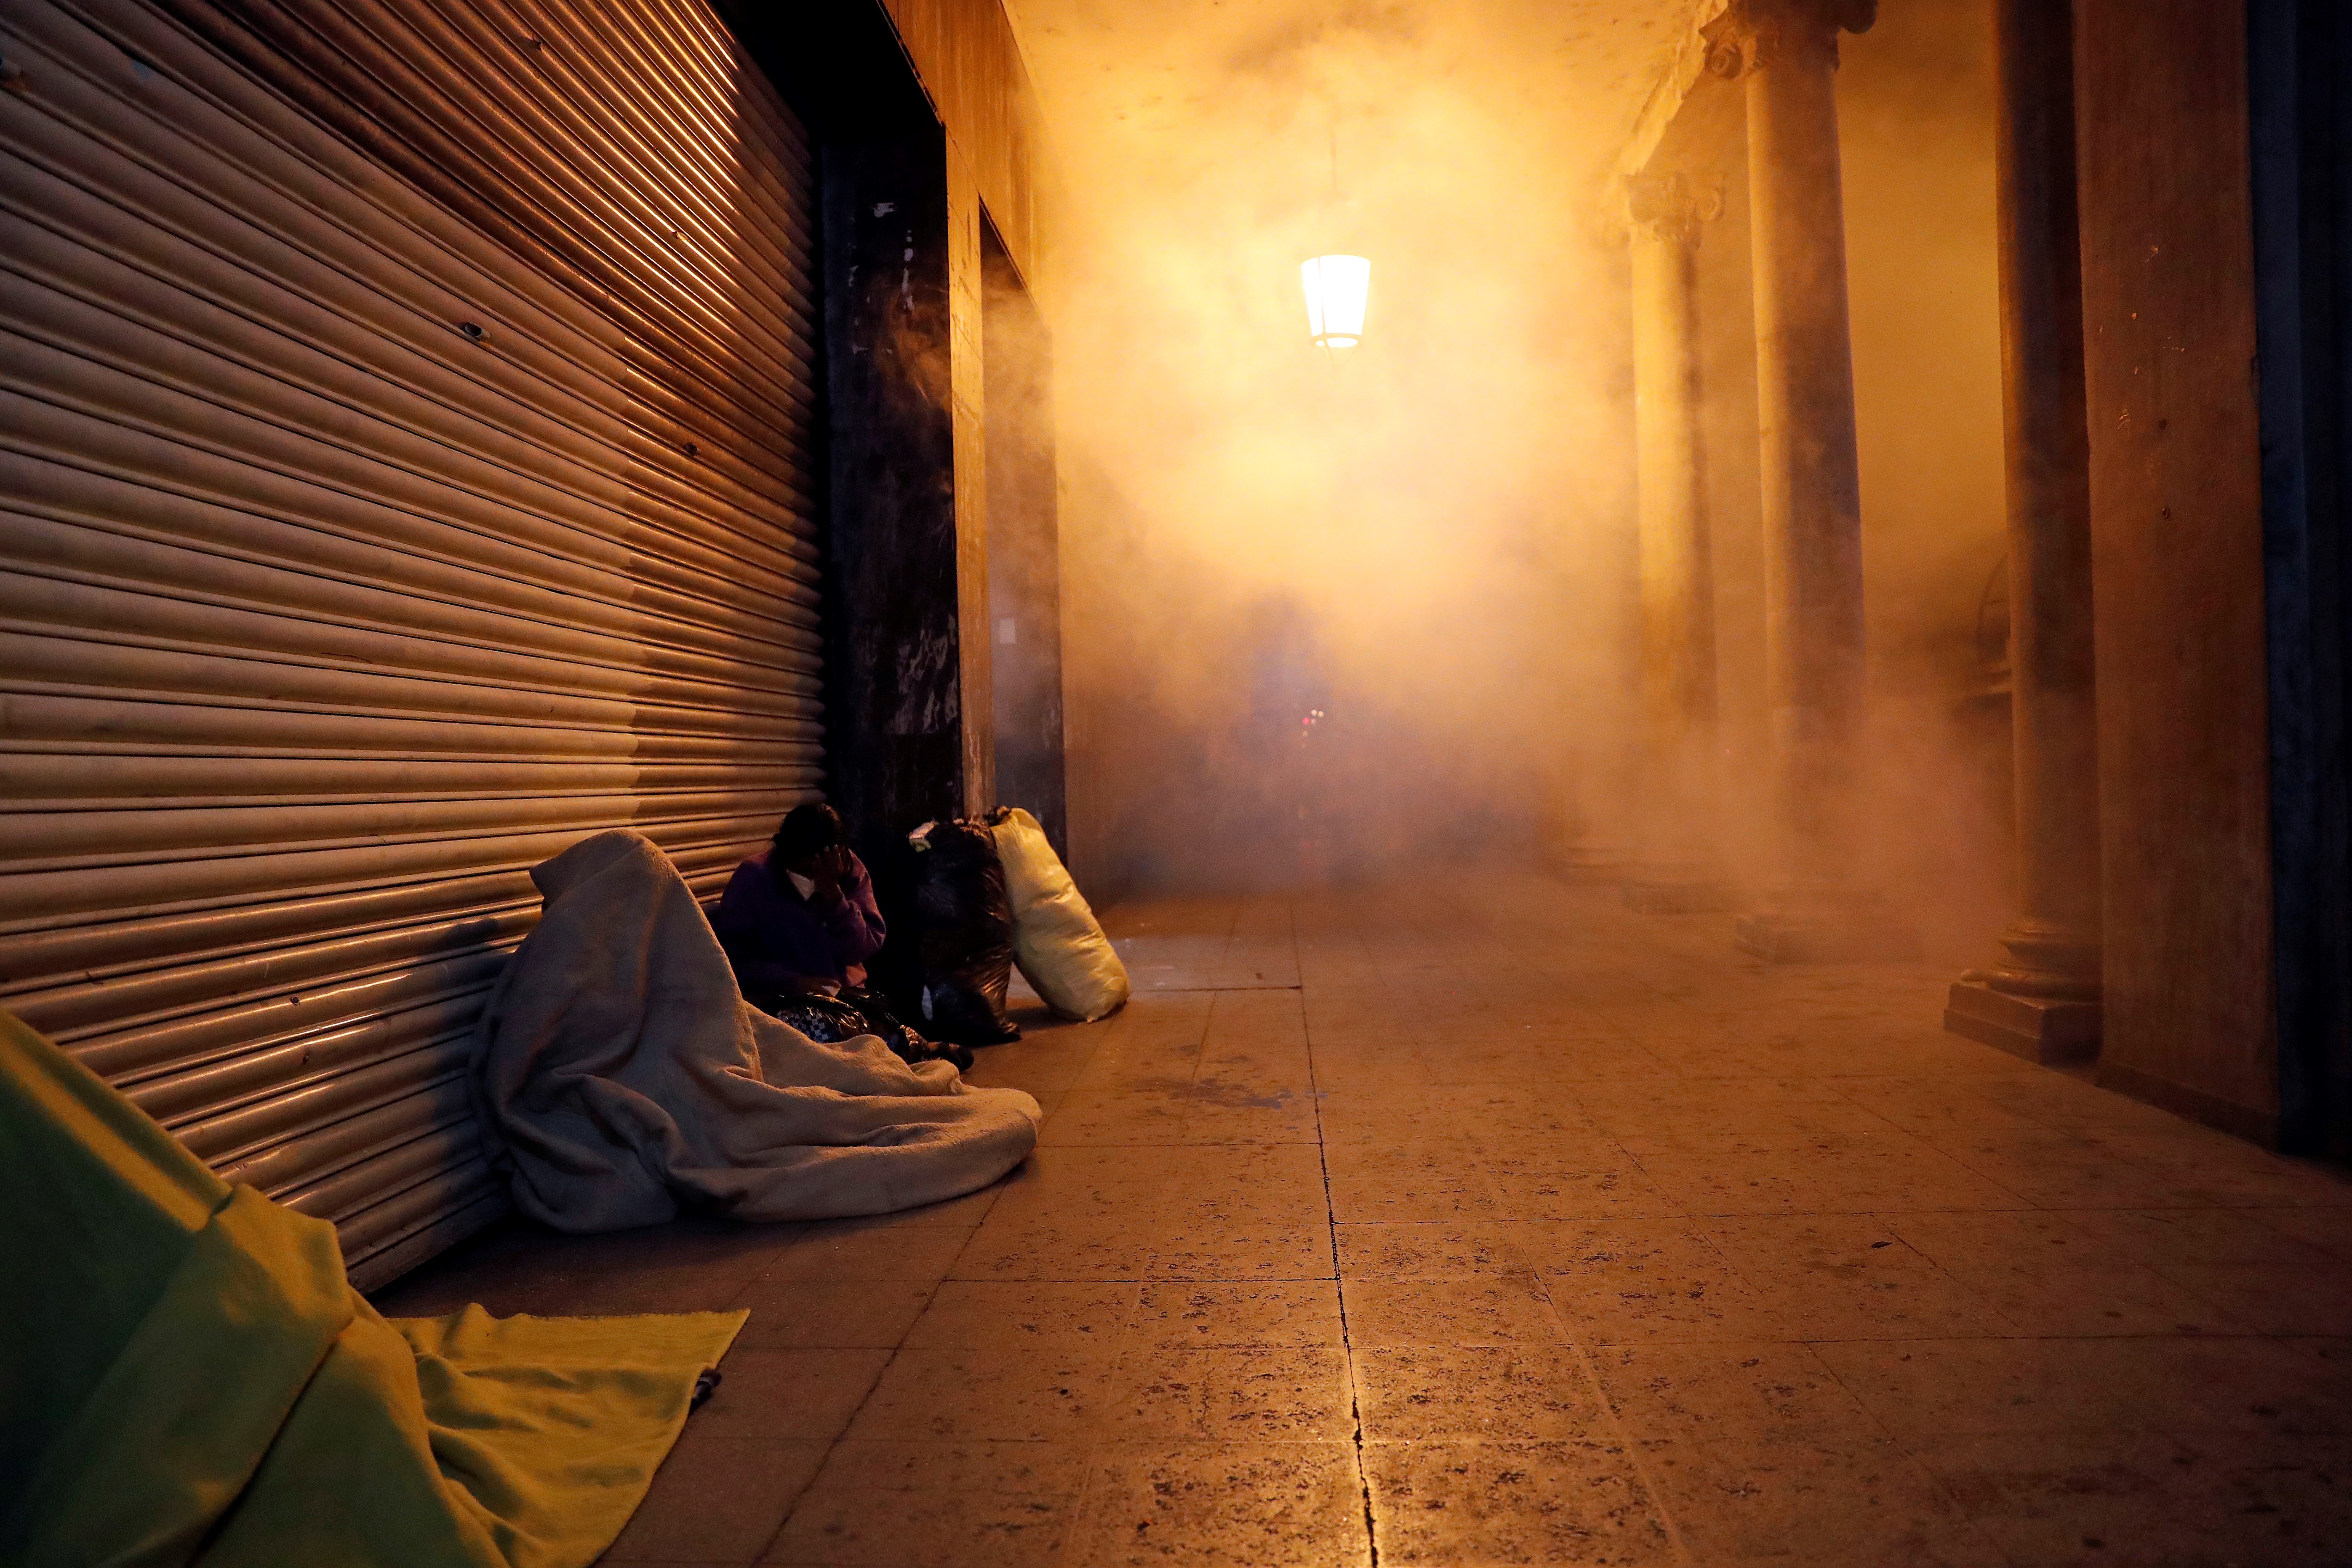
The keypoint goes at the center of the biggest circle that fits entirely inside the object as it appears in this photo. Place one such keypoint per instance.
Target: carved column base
(1827, 926)
(1687, 888)
(2045, 1029)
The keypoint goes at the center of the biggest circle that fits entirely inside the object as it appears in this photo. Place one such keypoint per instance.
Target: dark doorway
(2299, 51)
(1024, 565)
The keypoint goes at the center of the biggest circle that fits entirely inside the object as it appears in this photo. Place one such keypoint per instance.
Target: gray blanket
(627, 1078)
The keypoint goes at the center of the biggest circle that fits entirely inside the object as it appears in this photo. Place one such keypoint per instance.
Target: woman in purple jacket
(800, 920)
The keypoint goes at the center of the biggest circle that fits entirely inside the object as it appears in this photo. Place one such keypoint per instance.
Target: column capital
(1673, 206)
(1752, 34)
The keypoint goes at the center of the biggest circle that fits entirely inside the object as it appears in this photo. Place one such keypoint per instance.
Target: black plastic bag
(963, 921)
(829, 1020)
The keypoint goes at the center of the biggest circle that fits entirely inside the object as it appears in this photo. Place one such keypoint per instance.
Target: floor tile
(1471, 1505)
(1798, 1500)
(1212, 1315)
(1230, 1506)
(1122, 1117)
(1261, 1395)
(1500, 1308)
(2205, 1385)
(1393, 1198)
(1979, 1241)
(2044, 1301)
(870, 1250)
(1428, 1250)
(2183, 1385)
(1059, 1391)
(2269, 1300)
(1011, 1315)
(809, 1312)
(1737, 1390)
(1228, 1110)
(891, 1505)
(1432, 1156)
(1540, 1188)
(789, 1394)
(2329, 1229)
(1040, 1246)
(1241, 1251)
(1620, 1281)
(2104, 1499)
(1497, 1392)
(2203, 1167)
(717, 1498)
(1934, 1389)
(1848, 1277)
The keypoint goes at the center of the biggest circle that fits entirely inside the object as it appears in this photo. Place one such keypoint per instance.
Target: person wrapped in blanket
(798, 922)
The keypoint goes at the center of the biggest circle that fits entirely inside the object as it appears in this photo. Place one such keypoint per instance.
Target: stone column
(1678, 870)
(2042, 1000)
(1787, 52)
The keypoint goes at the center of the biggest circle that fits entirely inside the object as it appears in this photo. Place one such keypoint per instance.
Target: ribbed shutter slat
(346, 77)
(211, 435)
(372, 1233)
(404, 444)
(141, 325)
(340, 1137)
(199, 599)
(258, 872)
(411, 249)
(90, 660)
(117, 968)
(192, 546)
(121, 431)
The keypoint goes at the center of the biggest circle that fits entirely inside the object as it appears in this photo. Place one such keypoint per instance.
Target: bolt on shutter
(404, 415)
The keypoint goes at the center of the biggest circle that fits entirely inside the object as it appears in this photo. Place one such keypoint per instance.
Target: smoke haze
(1328, 613)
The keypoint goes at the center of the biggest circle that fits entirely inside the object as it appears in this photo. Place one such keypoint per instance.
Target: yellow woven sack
(1061, 949)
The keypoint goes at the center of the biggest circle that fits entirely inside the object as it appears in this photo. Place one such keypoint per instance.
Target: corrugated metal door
(403, 415)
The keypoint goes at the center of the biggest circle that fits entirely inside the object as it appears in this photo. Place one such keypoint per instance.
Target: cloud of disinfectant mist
(1334, 613)
(1366, 602)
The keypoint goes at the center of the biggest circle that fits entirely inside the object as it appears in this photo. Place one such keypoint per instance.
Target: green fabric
(187, 1378)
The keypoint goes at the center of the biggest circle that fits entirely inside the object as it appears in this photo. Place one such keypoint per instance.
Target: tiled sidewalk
(1525, 1231)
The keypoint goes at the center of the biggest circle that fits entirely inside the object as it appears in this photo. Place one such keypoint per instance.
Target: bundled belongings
(190, 1379)
(854, 1010)
(623, 1076)
(964, 931)
(799, 923)
(1061, 949)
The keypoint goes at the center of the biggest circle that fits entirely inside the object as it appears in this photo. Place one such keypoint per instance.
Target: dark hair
(807, 829)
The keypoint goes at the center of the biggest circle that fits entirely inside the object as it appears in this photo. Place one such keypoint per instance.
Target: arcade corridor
(1522, 1230)
(1417, 501)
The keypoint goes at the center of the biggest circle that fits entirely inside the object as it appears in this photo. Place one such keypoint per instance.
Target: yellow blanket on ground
(186, 1377)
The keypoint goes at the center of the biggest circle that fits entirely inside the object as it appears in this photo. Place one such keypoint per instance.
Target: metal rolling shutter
(403, 420)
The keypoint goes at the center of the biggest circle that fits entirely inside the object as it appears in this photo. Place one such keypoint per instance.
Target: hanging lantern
(1336, 289)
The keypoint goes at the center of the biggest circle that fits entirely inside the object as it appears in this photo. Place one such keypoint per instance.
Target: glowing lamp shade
(1335, 290)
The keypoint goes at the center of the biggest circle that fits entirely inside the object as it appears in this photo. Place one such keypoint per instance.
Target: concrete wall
(969, 61)
(971, 66)
(922, 115)
(2168, 325)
